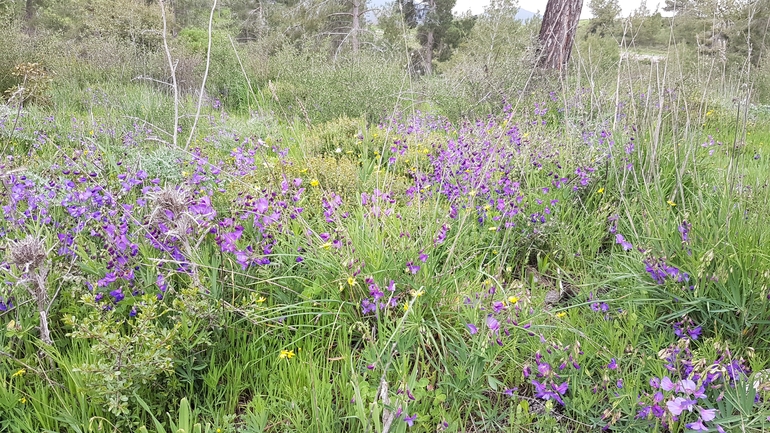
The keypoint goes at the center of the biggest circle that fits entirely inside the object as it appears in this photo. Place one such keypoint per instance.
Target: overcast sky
(477, 6)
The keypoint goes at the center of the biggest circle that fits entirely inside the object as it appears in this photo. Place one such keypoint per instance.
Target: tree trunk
(557, 33)
(356, 26)
(429, 53)
(431, 21)
(29, 10)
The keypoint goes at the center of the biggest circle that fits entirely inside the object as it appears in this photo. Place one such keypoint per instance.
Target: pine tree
(433, 20)
(557, 34)
(605, 13)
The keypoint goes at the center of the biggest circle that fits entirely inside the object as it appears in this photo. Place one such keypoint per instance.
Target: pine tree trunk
(429, 53)
(557, 33)
(430, 23)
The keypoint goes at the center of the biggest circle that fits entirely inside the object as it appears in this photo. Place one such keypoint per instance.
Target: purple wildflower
(117, 294)
(707, 414)
(409, 420)
(697, 425)
(619, 239)
(679, 405)
(492, 323)
(412, 268)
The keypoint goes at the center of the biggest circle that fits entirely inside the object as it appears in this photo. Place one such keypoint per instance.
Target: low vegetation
(342, 245)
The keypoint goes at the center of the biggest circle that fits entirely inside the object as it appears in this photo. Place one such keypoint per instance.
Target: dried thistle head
(170, 207)
(170, 198)
(28, 253)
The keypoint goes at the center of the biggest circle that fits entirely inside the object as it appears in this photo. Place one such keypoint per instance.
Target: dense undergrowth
(520, 271)
(346, 247)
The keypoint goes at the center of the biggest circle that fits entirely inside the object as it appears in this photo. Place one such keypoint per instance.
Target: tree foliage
(604, 21)
(438, 31)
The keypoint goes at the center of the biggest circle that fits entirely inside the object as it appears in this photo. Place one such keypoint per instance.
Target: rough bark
(557, 33)
(429, 52)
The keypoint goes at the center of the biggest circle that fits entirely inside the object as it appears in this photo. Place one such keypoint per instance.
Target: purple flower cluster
(6, 303)
(480, 169)
(685, 328)
(685, 395)
(378, 204)
(661, 272)
(547, 383)
(379, 300)
(671, 400)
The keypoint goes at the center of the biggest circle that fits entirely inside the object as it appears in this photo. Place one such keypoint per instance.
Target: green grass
(287, 346)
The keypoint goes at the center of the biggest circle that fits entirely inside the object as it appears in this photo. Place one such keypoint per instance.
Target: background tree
(433, 20)
(605, 14)
(745, 31)
(346, 24)
(557, 33)
(250, 18)
(188, 13)
(646, 28)
(492, 61)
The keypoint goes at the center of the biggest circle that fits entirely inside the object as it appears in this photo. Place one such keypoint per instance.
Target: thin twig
(172, 66)
(203, 83)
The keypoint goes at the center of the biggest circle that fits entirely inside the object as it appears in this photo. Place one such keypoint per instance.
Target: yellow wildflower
(19, 373)
(513, 299)
(406, 306)
(261, 300)
(491, 229)
(23, 400)
(314, 182)
(351, 281)
(601, 191)
(671, 203)
(326, 245)
(561, 314)
(286, 354)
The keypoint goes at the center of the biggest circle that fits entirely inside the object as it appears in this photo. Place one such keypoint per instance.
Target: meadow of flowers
(544, 268)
